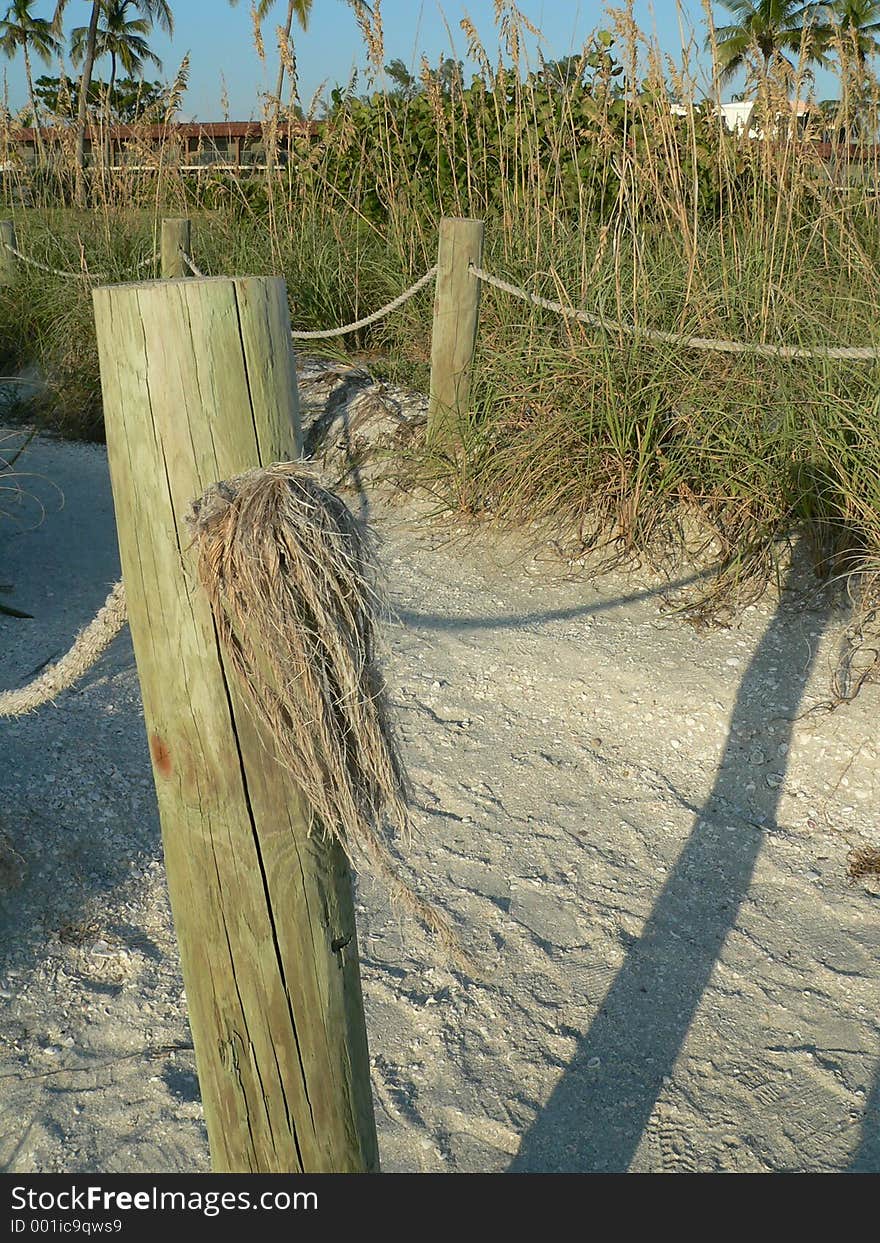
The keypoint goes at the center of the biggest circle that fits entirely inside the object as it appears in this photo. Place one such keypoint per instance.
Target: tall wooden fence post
(456, 315)
(7, 258)
(176, 235)
(199, 385)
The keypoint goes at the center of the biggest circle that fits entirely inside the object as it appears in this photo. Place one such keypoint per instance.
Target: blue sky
(219, 41)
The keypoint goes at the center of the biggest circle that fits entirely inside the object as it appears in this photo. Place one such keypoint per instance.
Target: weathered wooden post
(176, 235)
(199, 385)
(456, 315)
(7, 258)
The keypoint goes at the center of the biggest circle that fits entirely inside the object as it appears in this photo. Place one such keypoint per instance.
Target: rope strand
(857, 353)
(88, 645)
(325, 333)
(35, 263)
(190, 263)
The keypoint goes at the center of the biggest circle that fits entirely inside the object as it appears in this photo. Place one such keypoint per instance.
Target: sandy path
(622, 814)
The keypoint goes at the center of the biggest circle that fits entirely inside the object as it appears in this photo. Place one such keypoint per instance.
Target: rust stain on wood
(161, 754)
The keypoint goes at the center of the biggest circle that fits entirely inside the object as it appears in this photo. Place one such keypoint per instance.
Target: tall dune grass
(598, 192)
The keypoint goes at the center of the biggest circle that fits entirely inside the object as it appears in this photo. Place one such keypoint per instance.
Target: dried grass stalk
(292, 580)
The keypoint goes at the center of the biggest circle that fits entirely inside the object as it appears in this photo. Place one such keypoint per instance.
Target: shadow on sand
(866, 1158)
(598, 1112)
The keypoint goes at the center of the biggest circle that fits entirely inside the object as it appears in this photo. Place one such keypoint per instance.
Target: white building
(737, 117)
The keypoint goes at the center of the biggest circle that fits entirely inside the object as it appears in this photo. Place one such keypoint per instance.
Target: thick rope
(390, 796)
(370, 319)
(292, 581)
(190, 263)
(35, 263)
(89, 644)
(857, 353)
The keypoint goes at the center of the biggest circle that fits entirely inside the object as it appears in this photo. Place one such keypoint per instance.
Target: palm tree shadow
(598, 1112)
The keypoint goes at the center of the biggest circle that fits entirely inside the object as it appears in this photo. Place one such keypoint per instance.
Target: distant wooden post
(199, 385)
(176, 235)
(456, 315)
(8, 261)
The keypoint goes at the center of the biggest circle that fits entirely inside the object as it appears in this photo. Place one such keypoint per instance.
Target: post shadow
(866, 1158)
(598, 1111)
(539, 617)
(315, 435)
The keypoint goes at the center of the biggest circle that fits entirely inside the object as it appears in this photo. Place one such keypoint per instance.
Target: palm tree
(857, 24)
(854, 27)
(20, 29)
(301, 10)
(154, 11)
(770, 28)
(121, 38)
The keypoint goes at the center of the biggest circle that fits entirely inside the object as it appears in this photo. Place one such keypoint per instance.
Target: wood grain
(199, 385)
(8, 260)
(176, 237)
(456, 317)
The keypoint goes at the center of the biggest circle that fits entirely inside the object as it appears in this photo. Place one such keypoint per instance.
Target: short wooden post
(8, 261)
(199, 385)
(456, 315)
(176, 237)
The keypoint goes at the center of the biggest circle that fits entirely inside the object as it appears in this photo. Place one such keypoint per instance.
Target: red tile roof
(173, 129)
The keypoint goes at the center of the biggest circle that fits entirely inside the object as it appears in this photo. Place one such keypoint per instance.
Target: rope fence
(96, 637)
(600, 322)
(83, 274)
(191, 264)
(326, 333)
(460, 277)
(856, 353)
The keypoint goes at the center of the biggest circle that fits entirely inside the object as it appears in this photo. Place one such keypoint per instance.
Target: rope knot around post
(273, 756)
(293, 583)
(263, 906)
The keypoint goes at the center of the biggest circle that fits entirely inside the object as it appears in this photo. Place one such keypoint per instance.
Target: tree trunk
(38, 133)
(82, 113)
(271, 143)
(280, 85)
(108, 141)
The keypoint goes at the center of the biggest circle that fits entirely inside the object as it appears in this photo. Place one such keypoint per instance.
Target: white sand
(634, 824)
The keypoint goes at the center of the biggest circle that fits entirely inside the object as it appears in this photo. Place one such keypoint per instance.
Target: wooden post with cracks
(199, 385)
(454, 337)
(8, 261)
(175, 240)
